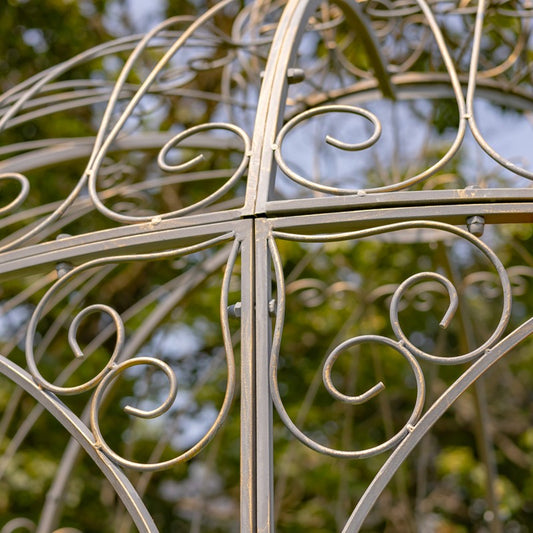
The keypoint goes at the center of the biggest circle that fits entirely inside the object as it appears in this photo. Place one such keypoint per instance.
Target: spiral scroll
(330, 140)
(164, 165)
(45, 94)
(115, 365)
(402, 344)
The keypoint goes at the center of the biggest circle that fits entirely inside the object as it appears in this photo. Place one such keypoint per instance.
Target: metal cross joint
(321, 171)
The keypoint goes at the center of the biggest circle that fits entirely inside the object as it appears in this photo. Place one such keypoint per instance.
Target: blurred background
(472, 472)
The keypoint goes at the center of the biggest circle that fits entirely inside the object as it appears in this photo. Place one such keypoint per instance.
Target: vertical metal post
(271, 104)
(264, 472)
(248, 405)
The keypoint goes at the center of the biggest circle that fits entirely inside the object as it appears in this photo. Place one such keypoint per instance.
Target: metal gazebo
(295, 96)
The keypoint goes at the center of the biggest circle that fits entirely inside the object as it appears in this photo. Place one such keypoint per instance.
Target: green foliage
(335, 292)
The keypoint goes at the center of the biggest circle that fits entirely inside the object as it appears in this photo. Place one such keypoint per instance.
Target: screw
(62, 269)
(234, 311)
(295, 75)
(476, 225)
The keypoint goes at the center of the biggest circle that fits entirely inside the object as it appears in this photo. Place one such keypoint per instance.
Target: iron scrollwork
(401, 344)
(116, 363)
(281, 65)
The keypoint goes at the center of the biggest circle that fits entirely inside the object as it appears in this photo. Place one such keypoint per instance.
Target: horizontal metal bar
(402, 198)
(142, 238)
(398, 199)
(508, 212)
(338, 214)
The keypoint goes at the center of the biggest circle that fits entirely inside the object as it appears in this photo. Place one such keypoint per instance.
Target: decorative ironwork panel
(252, 257)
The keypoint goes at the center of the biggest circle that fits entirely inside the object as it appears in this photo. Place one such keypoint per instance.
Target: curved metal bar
(230, 182)
(128, 409)
(272, 102)
(50, 510)
(480, 245)
(461, 106)
(511, 60)
(40, 309)
(21, 96)
(183, 284)
(250, 35)
(224, 409)
(330, 387)
(452, 292)
(21, 196)
(104, 139)
(351, 147)
(492, 356)
(175, 289)
(121, 81)
(34, 84)
(101, 145)
(275, 86)
(124, 489)
(470, 99)
(88, 281)
(77, 148)
(18, 523)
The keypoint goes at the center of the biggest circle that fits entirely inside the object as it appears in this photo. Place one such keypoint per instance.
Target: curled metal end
(370, 393)
(75, 325)
(452, 308)
(171, 396)
(412, 280)
(355, 147)
(78, 352)
(21, 196)
(328, 382)
(161, 160)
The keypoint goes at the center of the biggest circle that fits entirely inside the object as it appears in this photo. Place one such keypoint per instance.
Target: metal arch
(255, 223)
(274, 90)
(76, 428)
(438, 408)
